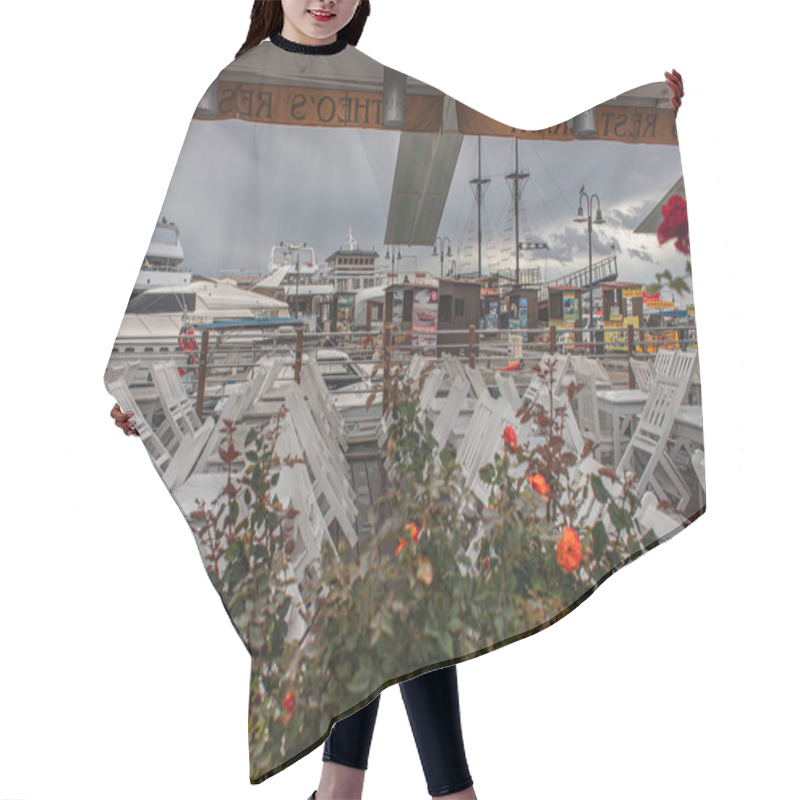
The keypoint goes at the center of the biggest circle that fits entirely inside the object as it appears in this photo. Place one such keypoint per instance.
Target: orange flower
(568, 552)
(413, 529)
(400, 546)
(288, 702)
(510, 437)
(539, 484)
(486, 562)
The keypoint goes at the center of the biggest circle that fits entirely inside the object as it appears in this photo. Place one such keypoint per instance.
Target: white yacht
(163, 262)
(154, 319)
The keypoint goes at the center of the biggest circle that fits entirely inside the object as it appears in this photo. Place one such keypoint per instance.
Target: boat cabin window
(160, 303)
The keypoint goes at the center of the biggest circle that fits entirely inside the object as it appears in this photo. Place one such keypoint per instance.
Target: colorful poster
(492, 318)
(570, 307)
(615, 332)
(423, 320)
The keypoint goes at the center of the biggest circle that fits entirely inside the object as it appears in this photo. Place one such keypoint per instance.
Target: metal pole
(298, 356)
(201, 379)
(472, 346)
(631, 378)
(387, 359)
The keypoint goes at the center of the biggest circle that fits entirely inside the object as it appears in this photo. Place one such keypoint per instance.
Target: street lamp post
(440, 241)
(395, 254)
(598, 221)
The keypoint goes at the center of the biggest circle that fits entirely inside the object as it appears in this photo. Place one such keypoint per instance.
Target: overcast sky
(239, 188)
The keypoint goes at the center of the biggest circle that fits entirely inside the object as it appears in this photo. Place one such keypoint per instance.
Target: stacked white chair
(176, 404)
(333, 491)
(643, 373)
(475, 378)
(651, 435)
(588, 417)
(453, 404)
(237, 407)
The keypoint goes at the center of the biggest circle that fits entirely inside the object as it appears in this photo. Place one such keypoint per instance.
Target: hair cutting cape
(419, 381)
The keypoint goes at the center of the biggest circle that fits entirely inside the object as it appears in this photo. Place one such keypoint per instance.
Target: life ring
(187, 340)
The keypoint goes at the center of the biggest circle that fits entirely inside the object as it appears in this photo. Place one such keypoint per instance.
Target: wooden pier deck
(368, 478)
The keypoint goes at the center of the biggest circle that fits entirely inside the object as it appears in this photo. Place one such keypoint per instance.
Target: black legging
(432, 706)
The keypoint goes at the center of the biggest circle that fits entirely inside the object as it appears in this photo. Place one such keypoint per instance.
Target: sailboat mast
(516, 204)
(480, 203)
(516, 175)
(478, 185)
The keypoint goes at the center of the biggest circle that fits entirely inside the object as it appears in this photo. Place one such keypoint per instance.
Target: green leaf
(233, 552)
(359, 682)
(649, 538)
(257, 637)
(447, 641)
(617, 516)
(235, 573)
(487, 473)
(599, 490)
(599, 539)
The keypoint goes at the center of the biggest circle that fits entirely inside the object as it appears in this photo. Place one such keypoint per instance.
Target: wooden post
(631, 378)
(552, 339)
(298, 356)
(387, 361)
(201, 377)
(472, 346)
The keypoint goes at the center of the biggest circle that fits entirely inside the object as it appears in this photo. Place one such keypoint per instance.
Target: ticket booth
(459, 308)
(566, 313)
(438, 315)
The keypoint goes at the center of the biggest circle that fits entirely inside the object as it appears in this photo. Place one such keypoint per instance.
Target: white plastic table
(622, 406)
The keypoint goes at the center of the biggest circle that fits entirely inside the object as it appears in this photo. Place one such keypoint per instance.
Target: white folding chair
(151, 439)
(508, 389)
(650, 440)
(178, 408)
(588, 417)
(643, 373)
(450, 410)
(475, 378)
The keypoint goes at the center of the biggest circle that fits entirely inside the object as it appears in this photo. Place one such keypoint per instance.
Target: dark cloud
(239, 189)
(641, 255)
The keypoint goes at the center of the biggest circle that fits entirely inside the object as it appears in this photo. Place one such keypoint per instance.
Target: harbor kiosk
(565, 312)
(623, 305)
(459, 308)
(437, 313)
